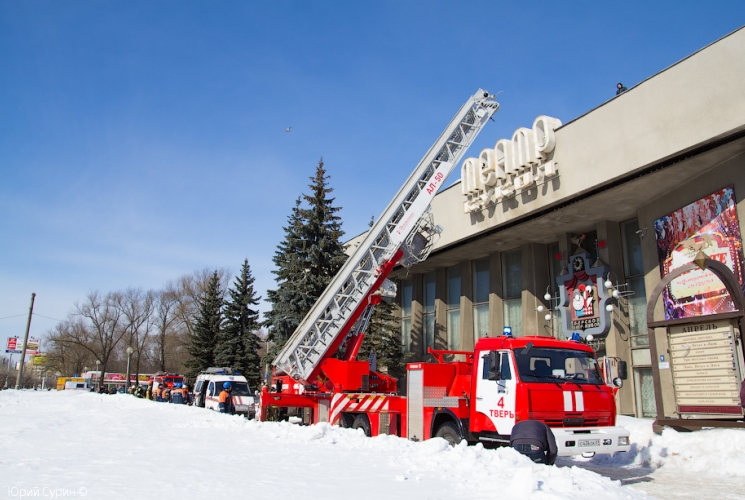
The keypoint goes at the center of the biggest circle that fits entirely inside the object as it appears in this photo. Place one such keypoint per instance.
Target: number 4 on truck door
(495, 390)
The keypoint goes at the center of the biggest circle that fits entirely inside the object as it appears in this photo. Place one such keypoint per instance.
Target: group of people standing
(178, 394)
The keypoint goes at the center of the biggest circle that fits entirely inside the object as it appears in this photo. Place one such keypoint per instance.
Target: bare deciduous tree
(137, 308)
(166, 302)
(100, 327)
(65, 356)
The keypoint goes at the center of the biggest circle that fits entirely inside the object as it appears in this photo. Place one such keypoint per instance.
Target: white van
(209, 384)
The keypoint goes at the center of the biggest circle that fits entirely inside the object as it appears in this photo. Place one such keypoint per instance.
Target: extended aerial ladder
(404, 233)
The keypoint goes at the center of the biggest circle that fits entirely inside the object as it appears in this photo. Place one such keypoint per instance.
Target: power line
(47, 317)
(16, 316)
(34, 314)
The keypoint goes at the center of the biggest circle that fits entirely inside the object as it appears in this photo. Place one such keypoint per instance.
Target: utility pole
(25, 341)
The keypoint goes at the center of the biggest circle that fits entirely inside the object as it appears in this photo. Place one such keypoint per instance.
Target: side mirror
(617, 382)
(623, 373)
(493, 360)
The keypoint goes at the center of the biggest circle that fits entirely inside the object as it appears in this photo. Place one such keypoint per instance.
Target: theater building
(568, 227)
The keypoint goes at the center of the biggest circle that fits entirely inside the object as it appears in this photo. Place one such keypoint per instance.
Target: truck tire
(449, 432)
(362, 422)
(346, 420)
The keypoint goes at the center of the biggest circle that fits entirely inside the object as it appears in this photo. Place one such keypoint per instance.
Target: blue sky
(143, 140)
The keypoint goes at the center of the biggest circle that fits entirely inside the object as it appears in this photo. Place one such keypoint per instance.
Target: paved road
(664, 485)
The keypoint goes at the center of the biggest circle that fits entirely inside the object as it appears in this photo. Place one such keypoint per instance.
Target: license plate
(241, 407)
(589, 442)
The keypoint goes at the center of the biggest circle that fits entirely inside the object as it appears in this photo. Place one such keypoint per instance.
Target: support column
(496, 306)
(441, 297)
(417, 325)
(535, 280)
(466, 306)
(617, 342)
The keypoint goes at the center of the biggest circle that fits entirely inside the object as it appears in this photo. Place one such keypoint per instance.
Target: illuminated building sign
(512, 166)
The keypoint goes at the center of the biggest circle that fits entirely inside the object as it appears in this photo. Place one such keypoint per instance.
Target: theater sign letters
(514, 165)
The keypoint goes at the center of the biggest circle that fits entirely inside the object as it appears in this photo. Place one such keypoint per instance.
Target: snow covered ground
(85, 445)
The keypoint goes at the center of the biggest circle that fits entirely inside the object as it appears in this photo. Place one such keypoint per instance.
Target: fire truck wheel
(449, 432)
(346, 420)
(362, 422)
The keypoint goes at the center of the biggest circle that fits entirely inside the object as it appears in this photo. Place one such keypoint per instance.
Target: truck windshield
(552, 365)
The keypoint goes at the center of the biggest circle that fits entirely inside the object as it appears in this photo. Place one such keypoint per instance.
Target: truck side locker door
(495, 391)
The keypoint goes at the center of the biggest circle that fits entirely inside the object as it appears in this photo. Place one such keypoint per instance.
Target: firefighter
(166, 394)
(177, 394)
(149, 392)
(535, 440)
(226, 400)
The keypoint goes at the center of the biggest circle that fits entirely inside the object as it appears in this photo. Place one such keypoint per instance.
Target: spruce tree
(323, 232)
(307, 260)
(207, 328)
(237, 343)
(288, 301)
(384, 338)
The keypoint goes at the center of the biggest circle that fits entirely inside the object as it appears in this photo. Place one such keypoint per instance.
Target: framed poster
(709, 225)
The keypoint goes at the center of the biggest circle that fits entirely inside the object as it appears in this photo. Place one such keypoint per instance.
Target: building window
(634, 272)
(512, 290)
(406, 296)
(480, 298)
(555, 263)
(645, 404)
(453, 307)
(428, 310)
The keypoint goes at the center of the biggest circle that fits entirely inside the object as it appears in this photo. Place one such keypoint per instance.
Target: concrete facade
(670, 140)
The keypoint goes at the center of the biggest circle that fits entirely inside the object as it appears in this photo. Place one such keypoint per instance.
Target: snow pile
(117, 446)
(711, 452)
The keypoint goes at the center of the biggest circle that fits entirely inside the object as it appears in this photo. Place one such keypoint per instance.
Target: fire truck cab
(507, 380)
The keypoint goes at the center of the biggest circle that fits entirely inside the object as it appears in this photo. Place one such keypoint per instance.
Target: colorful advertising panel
(32, 346)
(41, 360)
(13, 347)
(709, 225)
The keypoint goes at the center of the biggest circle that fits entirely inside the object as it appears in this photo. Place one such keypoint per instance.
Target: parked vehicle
(166, 378)
(209, 384)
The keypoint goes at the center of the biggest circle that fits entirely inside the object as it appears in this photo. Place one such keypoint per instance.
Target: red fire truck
(166, 378)
(475, 396)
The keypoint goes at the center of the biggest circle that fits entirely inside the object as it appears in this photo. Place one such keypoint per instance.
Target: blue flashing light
(576, 337)
(507, 331)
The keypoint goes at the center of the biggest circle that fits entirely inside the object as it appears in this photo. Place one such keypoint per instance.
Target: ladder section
(403, 218)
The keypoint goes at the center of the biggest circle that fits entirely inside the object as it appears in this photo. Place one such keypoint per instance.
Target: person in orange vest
(177, 394)
(163, 393)
(226, 400)
(185, 388)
